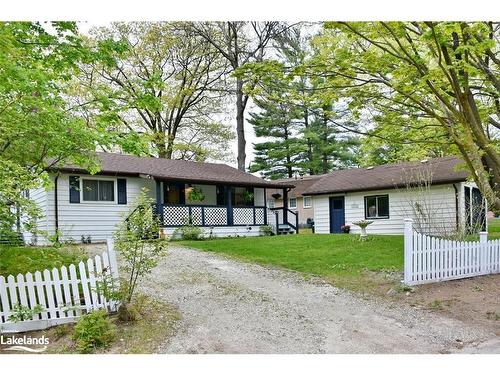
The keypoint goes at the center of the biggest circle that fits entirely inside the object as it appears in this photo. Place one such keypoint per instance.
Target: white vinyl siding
(95, 219)
(247, 231)
(440, 200)
(39, 196)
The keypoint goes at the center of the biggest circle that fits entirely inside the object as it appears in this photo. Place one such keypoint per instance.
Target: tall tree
(289, 100)
(38, 128)
(239, 43)
(158, 87)
(445, 73)
(279, 155)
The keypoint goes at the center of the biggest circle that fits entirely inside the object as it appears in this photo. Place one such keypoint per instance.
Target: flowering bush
(345, 228)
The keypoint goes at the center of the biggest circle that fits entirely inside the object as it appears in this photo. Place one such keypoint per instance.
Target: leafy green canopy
(38, 128)
(157, 88)
(429, 88)
(299, 123)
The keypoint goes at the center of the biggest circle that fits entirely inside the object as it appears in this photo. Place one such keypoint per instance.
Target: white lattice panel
(243, 216)
(196, 216)
(175, 215)
(259, 216)
(215, 216)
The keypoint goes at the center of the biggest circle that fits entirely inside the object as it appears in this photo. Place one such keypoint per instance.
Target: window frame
(115, 192)
(290, 205)
(271, 203)
(377, 196)
(304, 201)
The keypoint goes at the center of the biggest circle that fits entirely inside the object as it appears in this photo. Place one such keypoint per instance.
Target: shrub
(188, 232)
(266, 230)
(93, 331)
(138, 243)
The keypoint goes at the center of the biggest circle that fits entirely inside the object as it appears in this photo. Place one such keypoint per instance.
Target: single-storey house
(436, 193)
(216, 197)
(297, 203)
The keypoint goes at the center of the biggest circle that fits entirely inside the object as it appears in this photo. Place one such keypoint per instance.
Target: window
(377, 207)
(307, 202)
(270, 203)
(242, 196)
(98, 190)
(292, 203)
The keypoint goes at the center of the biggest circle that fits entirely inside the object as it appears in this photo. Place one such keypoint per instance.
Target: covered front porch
(219, 206)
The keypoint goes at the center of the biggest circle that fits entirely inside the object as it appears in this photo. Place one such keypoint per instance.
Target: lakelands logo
(22, 343)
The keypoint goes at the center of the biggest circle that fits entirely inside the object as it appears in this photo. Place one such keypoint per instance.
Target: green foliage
(38, 127)
(24, 259)
(155, 87)
(94, 331)
(54, 238)
(266, 230)
(21, 313)
(188, 232)
(302, 125)
(196, 195)
(418, 90)
(137, 240)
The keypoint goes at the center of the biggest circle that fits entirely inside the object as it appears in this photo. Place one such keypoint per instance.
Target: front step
(285, 229)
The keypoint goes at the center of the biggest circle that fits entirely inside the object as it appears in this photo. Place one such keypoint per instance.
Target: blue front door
(337, 214)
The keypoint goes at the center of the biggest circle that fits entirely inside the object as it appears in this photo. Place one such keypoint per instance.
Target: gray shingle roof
(443, 170)
(301, 185)
(181, 170)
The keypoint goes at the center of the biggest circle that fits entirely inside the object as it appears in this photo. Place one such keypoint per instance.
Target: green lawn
(494, 228)
(20, 259)
(340, 258)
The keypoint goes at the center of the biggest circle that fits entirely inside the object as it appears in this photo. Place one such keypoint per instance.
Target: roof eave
(262, 184)
(392, 187)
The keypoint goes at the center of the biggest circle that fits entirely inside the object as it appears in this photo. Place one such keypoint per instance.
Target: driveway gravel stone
(231, 307)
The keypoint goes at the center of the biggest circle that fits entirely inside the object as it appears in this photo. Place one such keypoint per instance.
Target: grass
(494, 228)
(23, 259)
(371, 266)
(340, 258)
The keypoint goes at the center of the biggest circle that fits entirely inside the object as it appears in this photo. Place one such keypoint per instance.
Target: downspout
(457, 218)
(56, 208)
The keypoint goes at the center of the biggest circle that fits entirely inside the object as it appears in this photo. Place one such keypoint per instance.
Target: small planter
(345, 228)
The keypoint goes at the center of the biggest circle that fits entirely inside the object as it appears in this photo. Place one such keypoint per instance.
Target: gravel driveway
(232, 307)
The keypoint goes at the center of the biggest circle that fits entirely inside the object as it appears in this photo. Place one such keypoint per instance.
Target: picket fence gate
(429, 259)
(64, 293)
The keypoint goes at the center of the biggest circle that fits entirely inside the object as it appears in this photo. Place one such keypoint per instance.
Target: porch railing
(291, 218)
(175, 215)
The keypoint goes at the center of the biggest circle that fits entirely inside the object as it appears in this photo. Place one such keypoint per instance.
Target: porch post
(229, 205)
(265, 206)
(285, 205)
(159, 208)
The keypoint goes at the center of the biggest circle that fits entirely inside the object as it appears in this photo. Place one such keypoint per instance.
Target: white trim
(304, 201)
(377, 216)
(115, 190)
(290, 204)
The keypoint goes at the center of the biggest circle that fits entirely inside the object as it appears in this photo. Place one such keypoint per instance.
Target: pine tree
(277, 157)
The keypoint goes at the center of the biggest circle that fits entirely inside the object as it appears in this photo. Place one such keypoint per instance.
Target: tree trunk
(163, 153)
(324, 159)
(240, 125)
(310, 157)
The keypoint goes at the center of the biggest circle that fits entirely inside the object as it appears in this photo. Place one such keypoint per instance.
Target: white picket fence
(429, 259)
(63, 294)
